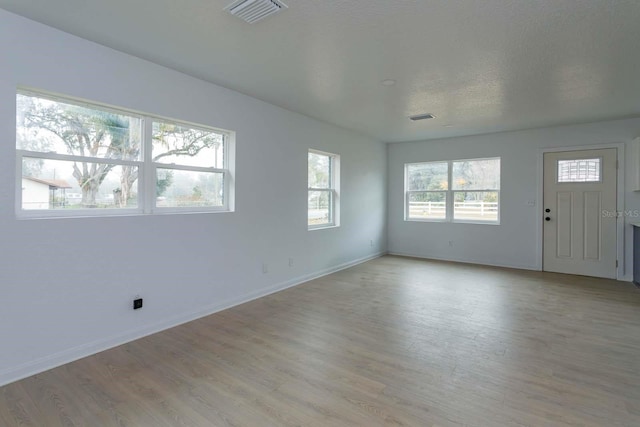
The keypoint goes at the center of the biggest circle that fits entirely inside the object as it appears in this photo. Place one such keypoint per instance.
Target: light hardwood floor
(395, 341)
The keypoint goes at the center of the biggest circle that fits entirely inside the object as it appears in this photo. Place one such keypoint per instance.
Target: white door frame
(620, 199)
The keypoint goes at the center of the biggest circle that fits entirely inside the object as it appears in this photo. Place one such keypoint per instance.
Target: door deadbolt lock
(547, 210)
(547, 218)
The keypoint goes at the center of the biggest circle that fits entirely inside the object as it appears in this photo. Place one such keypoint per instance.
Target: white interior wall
(515, 242)
(66, 285)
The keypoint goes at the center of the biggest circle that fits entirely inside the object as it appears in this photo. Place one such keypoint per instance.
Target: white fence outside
(471, 210)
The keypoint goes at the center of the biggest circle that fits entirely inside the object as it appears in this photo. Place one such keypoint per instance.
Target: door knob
(547, 210)
(547, 219)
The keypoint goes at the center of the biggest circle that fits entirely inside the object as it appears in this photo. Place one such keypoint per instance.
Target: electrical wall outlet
(137, 303)
(265, 268)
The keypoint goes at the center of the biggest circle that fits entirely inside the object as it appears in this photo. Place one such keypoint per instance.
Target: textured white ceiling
(479, 65)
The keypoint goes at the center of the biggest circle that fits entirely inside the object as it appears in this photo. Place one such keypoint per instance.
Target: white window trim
(334, 189)
(450, 194)
(146, 182)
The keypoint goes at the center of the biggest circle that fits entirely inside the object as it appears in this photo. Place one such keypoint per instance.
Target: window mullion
(331, 212)
(148, 183)
(450, 193)
(225, 188)
(18, 183)
(226, 184)
(407, 196)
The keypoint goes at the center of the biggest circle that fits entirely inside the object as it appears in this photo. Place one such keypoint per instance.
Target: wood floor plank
(391, 342)
(17, 408)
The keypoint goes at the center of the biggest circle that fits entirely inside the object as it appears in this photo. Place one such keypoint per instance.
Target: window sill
(444, 221)
(128, 214)
(323, 227)
(426, 220)
(477, 222)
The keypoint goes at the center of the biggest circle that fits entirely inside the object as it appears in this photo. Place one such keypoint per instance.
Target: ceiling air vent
(252, 11)
(422, 117)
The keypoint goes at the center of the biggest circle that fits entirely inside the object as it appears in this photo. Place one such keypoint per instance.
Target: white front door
(579, 212)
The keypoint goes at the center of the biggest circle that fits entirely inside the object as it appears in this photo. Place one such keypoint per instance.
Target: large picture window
(458, 191)
(80, 159)
(323, 180)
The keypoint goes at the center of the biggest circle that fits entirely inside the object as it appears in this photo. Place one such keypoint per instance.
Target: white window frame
(450, 193)
(146, 182)
(333, 189)
(157, 165)
(408, 192)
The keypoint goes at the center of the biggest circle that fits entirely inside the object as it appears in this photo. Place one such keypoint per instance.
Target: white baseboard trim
(466, 261)
(624, 279)
(61, 358)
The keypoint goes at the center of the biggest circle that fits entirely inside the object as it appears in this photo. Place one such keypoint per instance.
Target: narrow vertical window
(323, 178)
